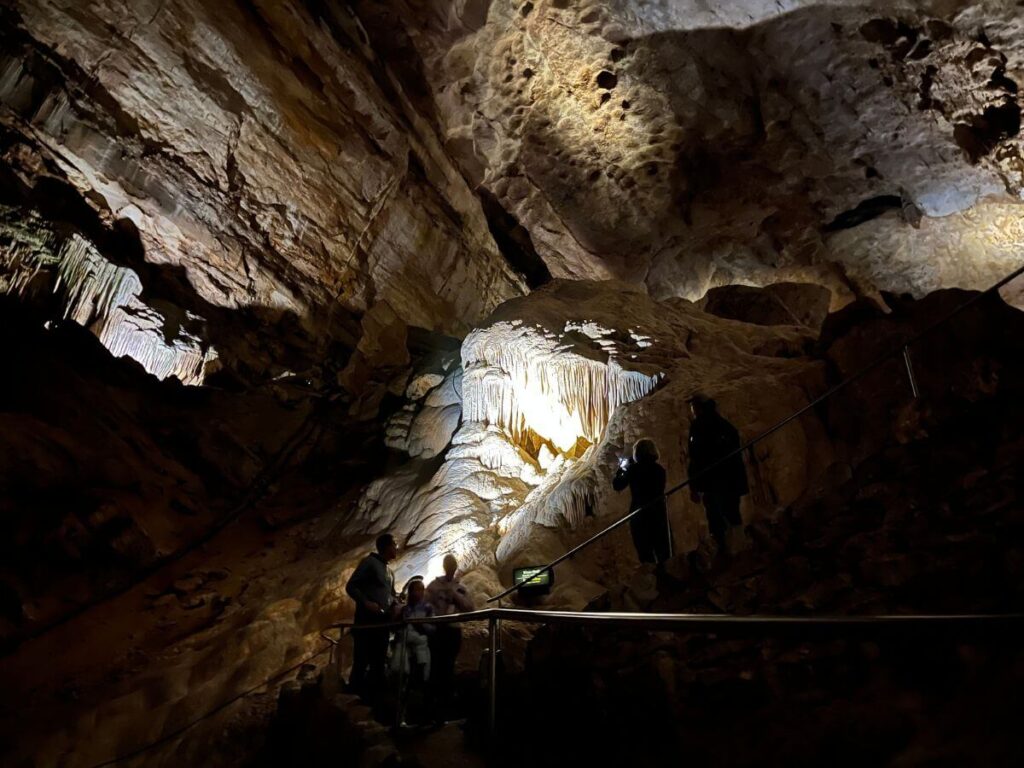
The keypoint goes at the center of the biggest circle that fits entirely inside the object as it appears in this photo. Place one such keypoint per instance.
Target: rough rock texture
(306, 208)
(776, 304)
(863, 146)
(264, 160)
(252, 600)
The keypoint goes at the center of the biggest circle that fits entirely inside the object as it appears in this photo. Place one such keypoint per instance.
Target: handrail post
(400, 704)
(494, 628)
(910, 371)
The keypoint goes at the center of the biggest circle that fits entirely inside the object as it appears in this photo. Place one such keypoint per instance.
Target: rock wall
(920, 514)
(165, 548)
(863, 146)
(262, 159)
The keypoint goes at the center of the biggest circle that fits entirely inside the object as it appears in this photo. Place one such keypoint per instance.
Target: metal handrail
(713, 624)
(704, 622)
(900, 349)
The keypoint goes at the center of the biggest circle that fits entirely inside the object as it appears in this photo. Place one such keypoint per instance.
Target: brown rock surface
(775, 304)
(158, 552)
(687, 145)
(329, 216)
(264, 156)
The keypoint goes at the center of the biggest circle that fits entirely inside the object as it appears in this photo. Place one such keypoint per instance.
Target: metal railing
(932, 626)
(902, 349)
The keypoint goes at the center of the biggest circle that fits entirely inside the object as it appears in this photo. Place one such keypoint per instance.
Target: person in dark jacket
(645, 478)
(372, 586)
(715, 480)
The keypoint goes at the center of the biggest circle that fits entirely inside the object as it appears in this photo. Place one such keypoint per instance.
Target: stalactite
(528, 395)
(92, 286)
(522, 380)
(105, 298)
(20, 269)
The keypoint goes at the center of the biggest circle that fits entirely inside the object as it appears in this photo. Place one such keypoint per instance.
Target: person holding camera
(645, 478)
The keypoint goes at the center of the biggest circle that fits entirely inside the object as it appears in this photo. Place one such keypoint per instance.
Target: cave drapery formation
(279, 275)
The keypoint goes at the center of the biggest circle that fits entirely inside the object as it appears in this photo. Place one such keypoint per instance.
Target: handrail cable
(702, 622)
(698, 622)
(859, 374)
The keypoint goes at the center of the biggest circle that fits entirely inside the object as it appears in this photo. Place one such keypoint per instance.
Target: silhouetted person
(372, 586)
(645, 478)
(720, 486)
(447, 595)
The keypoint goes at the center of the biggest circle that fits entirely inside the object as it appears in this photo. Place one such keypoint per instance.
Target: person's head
(645, 450)
(416, 591)
(450, 565)
(386, 547)
(701, 405)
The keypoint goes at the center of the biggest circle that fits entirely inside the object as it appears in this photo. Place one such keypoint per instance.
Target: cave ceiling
(281, 178)
(691, 144)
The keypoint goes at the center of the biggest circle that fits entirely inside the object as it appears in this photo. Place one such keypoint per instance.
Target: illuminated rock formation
(555, 386)
(105, 297)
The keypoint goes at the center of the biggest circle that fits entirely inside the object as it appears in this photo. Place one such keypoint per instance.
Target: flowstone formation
(685, 145)
(554, 388)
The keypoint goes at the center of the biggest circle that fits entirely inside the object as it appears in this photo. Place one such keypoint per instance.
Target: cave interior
(278, 277)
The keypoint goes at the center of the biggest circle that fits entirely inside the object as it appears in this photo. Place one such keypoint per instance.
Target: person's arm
(432, 596)
(694, 463)
(662, 480)
(428, 629)
(621, 480)
(737, 465)
(354, 587)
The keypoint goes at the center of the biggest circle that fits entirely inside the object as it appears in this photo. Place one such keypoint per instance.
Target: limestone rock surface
(687, 145)
(264, 160)
(776, 304)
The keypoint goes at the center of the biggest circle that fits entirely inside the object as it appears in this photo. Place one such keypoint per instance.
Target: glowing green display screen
(528, 577)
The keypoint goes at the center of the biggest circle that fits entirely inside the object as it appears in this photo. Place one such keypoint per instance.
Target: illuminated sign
(531, 579)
